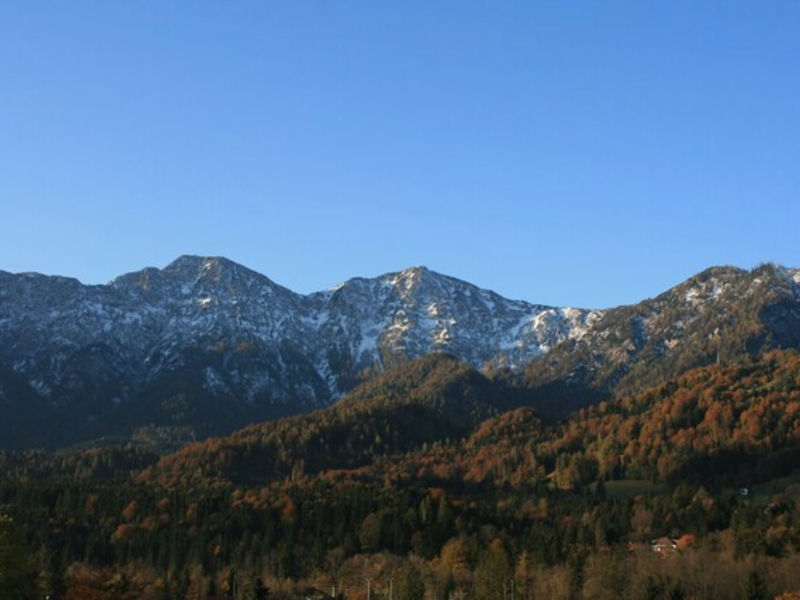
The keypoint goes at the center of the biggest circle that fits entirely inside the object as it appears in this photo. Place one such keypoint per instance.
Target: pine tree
(408, 583)
(492, 573)
(17, 577)
(756, 587)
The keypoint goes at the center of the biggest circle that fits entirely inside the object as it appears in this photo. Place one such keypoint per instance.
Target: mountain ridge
(206, 345)
(179, 339)
(717, 315)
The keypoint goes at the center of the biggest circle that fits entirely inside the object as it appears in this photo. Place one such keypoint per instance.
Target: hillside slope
(432, 399)
(717, 316)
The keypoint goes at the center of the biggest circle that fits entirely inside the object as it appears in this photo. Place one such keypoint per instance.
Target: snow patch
(40, 386)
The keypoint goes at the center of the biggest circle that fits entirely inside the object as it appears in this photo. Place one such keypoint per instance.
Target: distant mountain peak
(208, 327)
(189, 275)
(718, 315)
(206, 338)
(208, 266)
(418, 271)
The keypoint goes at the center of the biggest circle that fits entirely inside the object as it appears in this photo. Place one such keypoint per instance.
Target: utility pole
(333, 591)
(391, 588)
(369, 589)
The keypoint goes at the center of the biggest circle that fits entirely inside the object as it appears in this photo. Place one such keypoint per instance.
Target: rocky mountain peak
(718, 315)
(206, 332)
(202, 279)
(209, 327)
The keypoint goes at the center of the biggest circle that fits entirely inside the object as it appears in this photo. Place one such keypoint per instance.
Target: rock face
(209, 344)
(718, 315)
(205, 345)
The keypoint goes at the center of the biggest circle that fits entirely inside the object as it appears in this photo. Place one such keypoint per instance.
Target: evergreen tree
(17, 577)
(492, 573)
(756, 587)
(408, 583)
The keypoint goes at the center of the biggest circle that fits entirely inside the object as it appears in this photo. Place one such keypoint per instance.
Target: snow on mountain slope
(416, 311)
(718, 315)
(207, 341)
(236, 334)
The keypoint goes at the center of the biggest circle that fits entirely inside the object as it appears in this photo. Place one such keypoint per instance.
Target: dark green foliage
(17, 574)
(497, 490)
(493, 573)
(95, 463)
(756, 588)
(407, 583)
(434, 398)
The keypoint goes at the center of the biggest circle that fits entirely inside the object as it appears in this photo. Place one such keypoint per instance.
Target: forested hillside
(722, 314)
(429, 478)
(433, 399)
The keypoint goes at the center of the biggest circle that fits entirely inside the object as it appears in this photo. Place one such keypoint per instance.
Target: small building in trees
(664, 545)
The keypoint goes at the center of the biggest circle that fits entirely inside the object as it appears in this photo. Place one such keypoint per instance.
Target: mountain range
(205, 345)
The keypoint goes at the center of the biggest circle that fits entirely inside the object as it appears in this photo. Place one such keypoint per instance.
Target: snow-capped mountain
(208, 339)
(718, 315)
(411, 313)
(208, 345)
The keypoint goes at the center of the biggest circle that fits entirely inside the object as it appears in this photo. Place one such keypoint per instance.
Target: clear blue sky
(582, 153)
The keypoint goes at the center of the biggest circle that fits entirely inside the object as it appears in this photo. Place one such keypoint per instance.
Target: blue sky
(581, 153)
